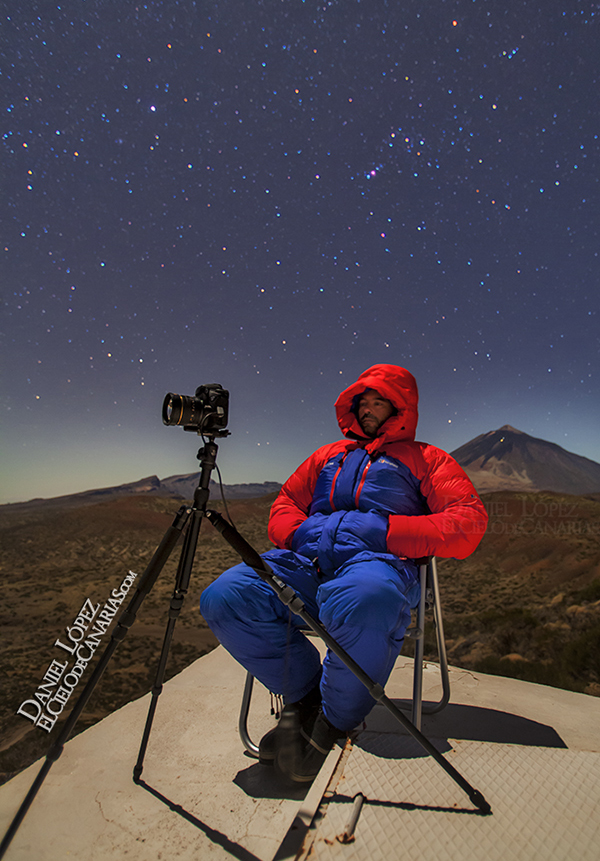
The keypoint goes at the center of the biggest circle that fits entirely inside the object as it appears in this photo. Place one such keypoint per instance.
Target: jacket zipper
(332, 491)
(361, 482)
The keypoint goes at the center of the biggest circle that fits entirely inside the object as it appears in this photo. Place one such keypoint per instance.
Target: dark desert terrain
(525, 604)
(54, 556)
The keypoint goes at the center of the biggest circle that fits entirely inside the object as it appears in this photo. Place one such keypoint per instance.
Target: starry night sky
(275, 195)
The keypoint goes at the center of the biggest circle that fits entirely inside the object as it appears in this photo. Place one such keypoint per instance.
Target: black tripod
(287, 595)
(187, 515)
(192, 517)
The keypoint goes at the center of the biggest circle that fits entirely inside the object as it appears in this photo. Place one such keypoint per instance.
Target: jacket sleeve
(457, 520)
(292, 506)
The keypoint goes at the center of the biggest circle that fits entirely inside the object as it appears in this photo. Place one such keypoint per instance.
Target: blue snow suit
(347, 526)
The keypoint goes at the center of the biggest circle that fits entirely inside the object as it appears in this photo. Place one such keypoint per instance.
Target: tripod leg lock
(176, 605)
(120, 632)
(377, 692)
(285, 593)
(291, 600)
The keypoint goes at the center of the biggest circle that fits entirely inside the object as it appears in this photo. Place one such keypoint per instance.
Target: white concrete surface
(228, 805)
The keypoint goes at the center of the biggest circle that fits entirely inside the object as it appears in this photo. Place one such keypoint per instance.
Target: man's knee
(211, 602)
(358, 599)
(224, 597)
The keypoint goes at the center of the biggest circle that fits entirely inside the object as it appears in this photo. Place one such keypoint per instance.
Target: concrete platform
(533, 751)
(545, 805)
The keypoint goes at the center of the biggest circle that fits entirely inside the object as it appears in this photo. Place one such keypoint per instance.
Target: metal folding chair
(430, 601)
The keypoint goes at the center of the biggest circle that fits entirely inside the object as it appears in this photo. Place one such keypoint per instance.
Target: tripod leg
(156, 692)
(207, 456)
(287, 595)
(177, 599)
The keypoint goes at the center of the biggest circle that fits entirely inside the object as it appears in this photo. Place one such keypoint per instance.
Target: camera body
(207, 412)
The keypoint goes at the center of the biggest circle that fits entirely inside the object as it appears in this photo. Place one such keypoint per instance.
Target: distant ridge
(509, 459)
(182, 486)
(185, 485)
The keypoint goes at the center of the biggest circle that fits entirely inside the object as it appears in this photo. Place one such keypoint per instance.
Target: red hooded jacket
(387, 495)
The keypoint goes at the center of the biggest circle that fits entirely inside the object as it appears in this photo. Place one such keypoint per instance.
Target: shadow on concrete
(472, 723)
(392, 745)
(261, 781)
(232, 848)
(337, 798)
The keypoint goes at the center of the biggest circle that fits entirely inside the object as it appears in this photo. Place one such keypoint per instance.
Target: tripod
(191, 516)
(186, 515)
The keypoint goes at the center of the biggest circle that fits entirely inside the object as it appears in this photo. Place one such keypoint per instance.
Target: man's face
(373, 410)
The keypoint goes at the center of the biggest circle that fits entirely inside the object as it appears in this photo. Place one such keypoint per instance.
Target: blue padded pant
(365, 606)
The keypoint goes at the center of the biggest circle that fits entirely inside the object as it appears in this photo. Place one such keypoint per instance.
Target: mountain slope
(508, 459)
(180, 486)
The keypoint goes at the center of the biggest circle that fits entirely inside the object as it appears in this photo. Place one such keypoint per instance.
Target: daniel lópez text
(77, 648)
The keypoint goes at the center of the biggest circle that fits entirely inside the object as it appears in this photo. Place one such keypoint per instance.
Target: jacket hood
(399, 387)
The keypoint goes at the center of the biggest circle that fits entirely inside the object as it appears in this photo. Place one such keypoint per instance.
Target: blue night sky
(276, 195)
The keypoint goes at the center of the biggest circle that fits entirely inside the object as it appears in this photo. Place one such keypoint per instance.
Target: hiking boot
(306, 711)
(299, 756)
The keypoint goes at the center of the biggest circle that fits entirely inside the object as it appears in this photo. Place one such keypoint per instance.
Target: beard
(370, 426)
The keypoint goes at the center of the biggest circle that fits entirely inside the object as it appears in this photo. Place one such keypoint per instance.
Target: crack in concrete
(114, 822)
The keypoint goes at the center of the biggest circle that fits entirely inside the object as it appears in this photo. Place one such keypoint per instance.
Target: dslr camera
(206, 412)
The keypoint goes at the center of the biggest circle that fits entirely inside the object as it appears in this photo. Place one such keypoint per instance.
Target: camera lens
(173, 409)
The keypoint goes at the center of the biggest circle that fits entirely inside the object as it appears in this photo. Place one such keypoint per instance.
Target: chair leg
(431, 708)
(250, 746)
(419, 650)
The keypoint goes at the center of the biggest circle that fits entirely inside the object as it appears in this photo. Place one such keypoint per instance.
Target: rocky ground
(52, 560)
(525, 604)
